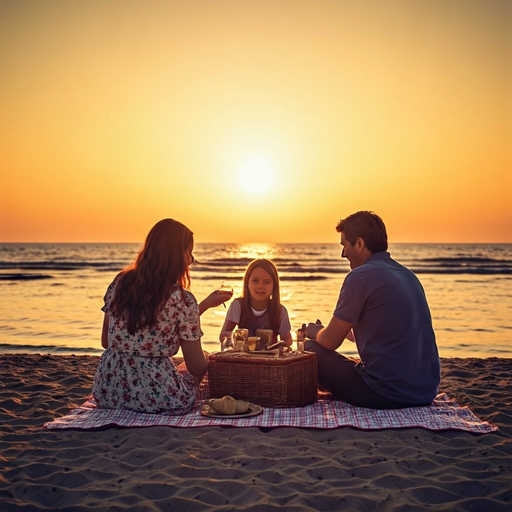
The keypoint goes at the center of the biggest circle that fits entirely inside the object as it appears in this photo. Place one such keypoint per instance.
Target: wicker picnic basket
(266, 381)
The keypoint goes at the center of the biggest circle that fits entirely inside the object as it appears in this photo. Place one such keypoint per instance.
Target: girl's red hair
(145, 286)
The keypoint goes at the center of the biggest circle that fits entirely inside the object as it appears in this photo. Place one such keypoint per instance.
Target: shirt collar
(384, 255)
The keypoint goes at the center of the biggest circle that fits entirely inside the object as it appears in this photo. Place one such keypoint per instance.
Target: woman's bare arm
(104, 331)
(194, 357)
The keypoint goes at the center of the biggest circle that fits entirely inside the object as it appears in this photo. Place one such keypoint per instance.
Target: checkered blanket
(443, 414)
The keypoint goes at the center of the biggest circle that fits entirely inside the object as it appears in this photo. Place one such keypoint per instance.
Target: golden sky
(255, 121)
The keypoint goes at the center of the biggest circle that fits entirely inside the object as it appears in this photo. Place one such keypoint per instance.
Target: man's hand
(330, 337)
(312, 329)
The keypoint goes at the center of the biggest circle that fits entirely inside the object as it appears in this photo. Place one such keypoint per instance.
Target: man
(383, 309)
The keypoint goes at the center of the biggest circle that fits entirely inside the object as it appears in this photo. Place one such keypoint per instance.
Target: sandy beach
(250, 469)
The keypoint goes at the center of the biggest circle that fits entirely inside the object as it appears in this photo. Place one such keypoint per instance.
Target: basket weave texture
(270, 382)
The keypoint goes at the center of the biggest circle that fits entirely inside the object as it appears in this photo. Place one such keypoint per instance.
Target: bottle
(301, 338)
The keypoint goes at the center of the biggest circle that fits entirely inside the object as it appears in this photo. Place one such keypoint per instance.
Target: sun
(257, 175)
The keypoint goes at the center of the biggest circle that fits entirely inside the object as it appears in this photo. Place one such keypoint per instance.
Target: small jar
(240, 338)
(301, 338)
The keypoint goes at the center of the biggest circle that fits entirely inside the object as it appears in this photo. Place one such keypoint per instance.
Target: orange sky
(261, 121)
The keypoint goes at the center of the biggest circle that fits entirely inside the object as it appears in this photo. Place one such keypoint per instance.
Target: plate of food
(229, 407)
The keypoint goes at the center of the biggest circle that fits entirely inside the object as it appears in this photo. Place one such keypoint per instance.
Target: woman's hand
(213, 300)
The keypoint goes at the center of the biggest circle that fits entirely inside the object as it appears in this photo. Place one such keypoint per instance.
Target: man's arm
(332, 336)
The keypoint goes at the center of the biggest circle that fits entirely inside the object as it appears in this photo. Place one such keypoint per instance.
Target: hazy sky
(262, 121)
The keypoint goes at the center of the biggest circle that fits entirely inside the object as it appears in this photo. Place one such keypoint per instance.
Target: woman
(149, 315)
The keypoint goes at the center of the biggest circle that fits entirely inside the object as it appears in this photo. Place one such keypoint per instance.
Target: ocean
(51, 294)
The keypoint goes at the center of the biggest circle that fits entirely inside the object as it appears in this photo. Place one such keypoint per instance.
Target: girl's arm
(232, 320)
(195, 359)
(104, 331)
(287, 338)
(286, 327)
(227, 329)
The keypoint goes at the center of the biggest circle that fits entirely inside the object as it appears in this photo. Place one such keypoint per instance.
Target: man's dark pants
(338, 374)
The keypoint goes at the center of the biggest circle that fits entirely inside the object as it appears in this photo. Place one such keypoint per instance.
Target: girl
(259, 307)
(149, 315)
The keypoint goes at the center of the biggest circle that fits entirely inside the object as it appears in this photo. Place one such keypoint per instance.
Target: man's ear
(360, 243)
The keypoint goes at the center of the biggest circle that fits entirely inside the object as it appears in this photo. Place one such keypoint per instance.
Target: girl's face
(260, 284)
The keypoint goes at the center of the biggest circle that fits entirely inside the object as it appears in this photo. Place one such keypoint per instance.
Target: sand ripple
(224, 469)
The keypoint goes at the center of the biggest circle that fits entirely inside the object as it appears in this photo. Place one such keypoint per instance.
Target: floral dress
(135, 372)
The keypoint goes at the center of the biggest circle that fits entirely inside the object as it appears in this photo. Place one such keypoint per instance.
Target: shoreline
(250, 469)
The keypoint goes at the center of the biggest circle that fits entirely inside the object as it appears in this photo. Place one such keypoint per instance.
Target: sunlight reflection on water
(472, 313)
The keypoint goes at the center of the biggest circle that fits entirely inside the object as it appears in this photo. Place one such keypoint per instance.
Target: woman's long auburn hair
(274, 306)
(145, 285)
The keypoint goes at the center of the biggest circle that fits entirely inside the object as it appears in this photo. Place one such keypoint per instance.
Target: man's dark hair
(365, 225)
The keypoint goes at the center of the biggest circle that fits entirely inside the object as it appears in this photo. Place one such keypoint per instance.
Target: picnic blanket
(443, 414)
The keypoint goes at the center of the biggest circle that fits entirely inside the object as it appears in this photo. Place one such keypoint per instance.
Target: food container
(264, 380)
(252, 343)
(267, 338)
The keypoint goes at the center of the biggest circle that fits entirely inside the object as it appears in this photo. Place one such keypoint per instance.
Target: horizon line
(260, 243)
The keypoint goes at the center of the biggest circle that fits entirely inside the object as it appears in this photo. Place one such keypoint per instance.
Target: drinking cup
(240, 338)
(252, 343)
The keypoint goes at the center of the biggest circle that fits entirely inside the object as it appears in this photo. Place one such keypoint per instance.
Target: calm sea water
(51, 294)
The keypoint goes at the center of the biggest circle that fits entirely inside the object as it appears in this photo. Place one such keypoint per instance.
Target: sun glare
(255, 250)
(257, 175)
